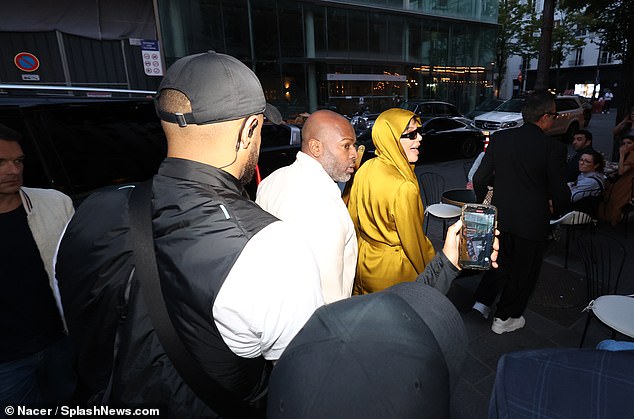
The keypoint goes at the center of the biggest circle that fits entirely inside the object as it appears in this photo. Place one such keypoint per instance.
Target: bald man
(306, 195)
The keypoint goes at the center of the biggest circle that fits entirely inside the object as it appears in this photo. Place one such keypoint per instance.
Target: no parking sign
(26, 61)
(151, 57)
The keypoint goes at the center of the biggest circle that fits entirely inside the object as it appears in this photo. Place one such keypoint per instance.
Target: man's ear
(247, 133)
(314, 146)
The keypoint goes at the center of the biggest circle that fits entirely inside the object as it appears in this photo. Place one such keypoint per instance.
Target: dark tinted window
(445, 109)
(565, 104)
(103, 143)
(275, 136)
(442, 124)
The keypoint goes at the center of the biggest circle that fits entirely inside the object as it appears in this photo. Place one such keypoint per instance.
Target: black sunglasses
(412, 135)
(555, 115)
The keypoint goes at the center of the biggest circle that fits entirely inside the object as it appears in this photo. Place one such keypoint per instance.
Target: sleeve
(271, 291)
(408, 217)
(559, 190)
(439, 274)
(483, 177)
(585, 187)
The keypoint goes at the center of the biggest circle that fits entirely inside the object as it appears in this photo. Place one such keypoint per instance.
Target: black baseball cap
(219, 87)
(397, 353)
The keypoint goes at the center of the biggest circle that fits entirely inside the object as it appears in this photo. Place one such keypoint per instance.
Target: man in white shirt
(306, 195)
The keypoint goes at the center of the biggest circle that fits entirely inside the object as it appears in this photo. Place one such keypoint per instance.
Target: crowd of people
(185, 294)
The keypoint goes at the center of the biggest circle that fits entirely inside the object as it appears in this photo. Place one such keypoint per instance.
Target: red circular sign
(26, 61)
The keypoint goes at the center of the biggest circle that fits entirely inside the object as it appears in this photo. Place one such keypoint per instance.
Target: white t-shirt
(304, 195)
(271, 291)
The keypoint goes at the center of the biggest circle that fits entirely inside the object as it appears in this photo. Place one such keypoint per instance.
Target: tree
(516, 35)
(613, 22)
(564, 39)
(543, 63)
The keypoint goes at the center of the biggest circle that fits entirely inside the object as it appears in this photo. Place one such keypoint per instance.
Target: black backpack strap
(146, 271)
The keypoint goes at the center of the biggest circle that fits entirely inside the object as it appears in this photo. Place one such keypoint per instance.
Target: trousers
(520, 261)
(45, 377)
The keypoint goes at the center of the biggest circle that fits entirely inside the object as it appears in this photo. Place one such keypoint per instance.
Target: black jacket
(196, 246)
(526, 169)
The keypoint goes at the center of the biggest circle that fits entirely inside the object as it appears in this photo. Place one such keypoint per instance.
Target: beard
(249, 168)
(332, 167)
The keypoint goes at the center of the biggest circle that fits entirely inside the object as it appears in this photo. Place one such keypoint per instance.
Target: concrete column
(309, 24)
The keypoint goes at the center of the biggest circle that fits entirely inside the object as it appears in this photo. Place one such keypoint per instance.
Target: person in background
(36, 355)
(386, 207)
(306, 195)
(526, 169)
(624, 127)
(607, 101)
(590, 182)
(581, 143)
(620, 192)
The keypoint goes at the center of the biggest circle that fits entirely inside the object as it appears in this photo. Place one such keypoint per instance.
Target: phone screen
(476, 238)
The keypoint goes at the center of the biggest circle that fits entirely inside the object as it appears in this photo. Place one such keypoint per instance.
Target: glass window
(291, 29)
(265, 36)
(236, 23)
(358, 23)
(378, 36)
(315, 17)
(337, 32)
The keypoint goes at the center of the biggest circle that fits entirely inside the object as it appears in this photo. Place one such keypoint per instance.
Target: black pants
(520, 261)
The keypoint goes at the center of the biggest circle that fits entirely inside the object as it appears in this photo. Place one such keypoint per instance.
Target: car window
(408, 105)
(425, 109)
(105, 143)
(445, 109)
(441, 124)
(511, 105)
(565, 104)
(275, 136)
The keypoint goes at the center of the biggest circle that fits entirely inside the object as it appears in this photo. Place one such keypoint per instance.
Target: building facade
(344, 55)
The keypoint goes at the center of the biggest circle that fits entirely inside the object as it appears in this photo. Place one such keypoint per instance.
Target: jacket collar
(200, 173)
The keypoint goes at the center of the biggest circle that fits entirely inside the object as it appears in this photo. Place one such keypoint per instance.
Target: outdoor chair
(571, 221)
(432, 186)
(603, 259)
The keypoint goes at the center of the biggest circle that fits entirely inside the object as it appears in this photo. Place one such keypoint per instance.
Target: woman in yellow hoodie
(386, 208)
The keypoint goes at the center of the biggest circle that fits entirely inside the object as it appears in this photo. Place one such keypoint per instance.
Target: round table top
(617, 311)
(459, 197)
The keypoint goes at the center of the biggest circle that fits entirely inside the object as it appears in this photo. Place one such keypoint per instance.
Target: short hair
(597, 157)
(536, 105)
(173, 101)
(9, 134)
(585, 133)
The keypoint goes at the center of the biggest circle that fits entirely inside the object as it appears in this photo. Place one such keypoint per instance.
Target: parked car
(447, 138)
(424, 108)
(79, 144)
(508, 115)
(484, 107)
(428, 109)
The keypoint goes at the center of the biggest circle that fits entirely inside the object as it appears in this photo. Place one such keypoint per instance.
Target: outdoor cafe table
(459, 197)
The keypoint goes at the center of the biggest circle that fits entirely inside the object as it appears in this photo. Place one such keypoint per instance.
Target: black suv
(79, 144)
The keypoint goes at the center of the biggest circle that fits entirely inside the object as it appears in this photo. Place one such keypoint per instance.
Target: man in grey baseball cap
(237, 283)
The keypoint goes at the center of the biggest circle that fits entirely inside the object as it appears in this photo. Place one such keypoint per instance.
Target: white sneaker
(500, 326)
(482, 309)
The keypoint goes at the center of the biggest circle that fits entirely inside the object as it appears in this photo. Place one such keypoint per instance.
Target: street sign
(26, 61)
(151, 55)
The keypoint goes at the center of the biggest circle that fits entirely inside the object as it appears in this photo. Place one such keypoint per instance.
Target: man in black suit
(526, 169)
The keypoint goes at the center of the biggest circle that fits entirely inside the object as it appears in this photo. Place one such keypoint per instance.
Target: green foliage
(564, 39)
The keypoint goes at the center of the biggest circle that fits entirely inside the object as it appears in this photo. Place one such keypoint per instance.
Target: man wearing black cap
(237, 283)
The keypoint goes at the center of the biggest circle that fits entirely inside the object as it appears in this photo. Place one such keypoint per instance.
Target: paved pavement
(554, 317)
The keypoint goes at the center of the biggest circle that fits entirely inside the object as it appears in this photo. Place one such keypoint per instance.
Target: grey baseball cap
(219, 87)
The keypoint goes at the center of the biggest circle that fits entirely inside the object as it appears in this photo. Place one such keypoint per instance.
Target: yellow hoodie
(387, 212)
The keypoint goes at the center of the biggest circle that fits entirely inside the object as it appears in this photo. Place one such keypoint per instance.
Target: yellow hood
(386, 134)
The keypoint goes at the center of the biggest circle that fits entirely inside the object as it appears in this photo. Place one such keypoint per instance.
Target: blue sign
(149, 45)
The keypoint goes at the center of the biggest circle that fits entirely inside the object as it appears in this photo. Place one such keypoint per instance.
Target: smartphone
(476, 238)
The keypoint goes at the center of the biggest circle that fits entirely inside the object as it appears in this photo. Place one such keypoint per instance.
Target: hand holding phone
(477, 236)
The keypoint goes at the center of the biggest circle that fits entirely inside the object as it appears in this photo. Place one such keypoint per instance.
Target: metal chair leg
(568, 228)
(585, 329)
